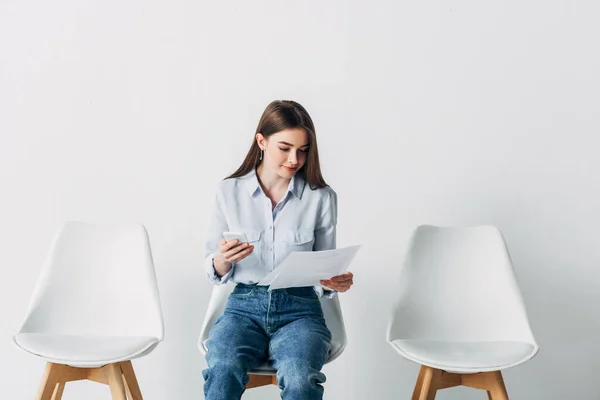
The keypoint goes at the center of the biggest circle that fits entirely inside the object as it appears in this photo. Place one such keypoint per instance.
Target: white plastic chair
(459, 312)
(95, 307)
(265, 374)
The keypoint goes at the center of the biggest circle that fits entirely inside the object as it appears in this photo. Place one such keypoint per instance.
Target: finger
(238, 249)
(341, 278)
(337, 288)
(234, 250)
(225, 247)
(243, 254)
(345, 276)
(340, 287)
(231, 244)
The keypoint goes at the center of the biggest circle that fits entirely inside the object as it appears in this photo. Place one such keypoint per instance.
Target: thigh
(236, 339)
(304, 340)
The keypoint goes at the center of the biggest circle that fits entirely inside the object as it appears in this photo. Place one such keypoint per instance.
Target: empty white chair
(95, 307)
(265, 374)
(459, 312)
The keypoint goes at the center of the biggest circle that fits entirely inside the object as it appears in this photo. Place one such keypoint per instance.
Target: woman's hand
(340, 283)
(230, 252)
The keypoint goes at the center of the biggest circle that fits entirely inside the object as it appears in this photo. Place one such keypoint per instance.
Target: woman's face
(285, 151)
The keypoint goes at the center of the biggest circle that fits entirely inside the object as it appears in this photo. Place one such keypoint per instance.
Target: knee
(299, 376)
(226, 366)
(224, 371)
(223, 360)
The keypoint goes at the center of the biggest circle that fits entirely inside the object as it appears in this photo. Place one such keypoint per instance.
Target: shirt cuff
(212, 275)
(326, 293)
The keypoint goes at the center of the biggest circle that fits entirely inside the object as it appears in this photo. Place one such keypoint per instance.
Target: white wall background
(444, 112)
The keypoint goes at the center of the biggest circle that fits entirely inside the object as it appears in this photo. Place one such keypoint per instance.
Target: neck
(270, 181)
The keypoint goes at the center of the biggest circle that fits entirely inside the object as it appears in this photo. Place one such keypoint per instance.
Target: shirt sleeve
(325, 233)
(216, 226)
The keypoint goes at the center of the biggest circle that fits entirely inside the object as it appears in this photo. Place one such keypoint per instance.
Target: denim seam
(242, 295)
(267, 327)
(302, 298)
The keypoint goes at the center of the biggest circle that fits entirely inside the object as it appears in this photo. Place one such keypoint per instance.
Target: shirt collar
(296, 186)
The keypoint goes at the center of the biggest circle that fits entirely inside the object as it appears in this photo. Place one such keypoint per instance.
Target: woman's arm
(325, 232)
(217, 270)
(325, 239)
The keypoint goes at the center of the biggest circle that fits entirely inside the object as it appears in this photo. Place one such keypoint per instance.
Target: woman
(279, 199)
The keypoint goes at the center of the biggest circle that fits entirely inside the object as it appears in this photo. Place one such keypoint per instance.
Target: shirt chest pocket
(299, 240)
(253, 258)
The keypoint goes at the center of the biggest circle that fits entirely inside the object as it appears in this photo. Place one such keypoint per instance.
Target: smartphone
(240, 236)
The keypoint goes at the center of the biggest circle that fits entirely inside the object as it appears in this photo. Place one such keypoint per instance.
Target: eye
(304, 151)
(282, 149)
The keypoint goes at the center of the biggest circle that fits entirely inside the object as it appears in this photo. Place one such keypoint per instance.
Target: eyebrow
(289, 144)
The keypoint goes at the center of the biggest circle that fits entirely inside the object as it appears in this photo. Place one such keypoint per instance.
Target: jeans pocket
(305, 293)
(241, 291)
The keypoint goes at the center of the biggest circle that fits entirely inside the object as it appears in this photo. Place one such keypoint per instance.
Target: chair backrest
(458, 284)
(97, 280)
(331, 311)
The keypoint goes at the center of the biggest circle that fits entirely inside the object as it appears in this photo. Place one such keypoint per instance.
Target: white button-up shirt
(304, 220)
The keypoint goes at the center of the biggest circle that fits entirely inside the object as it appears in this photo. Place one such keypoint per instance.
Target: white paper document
(307, 268)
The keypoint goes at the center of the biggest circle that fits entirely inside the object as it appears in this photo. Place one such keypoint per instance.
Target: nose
(293, 158)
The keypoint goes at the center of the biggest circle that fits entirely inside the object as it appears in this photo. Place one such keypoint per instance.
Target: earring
(261, 154)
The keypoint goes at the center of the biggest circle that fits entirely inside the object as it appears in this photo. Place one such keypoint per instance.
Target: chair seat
(267, 367)
(465, 357)
(78, 350)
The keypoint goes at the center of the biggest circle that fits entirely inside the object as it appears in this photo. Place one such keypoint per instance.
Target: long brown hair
(278, 116)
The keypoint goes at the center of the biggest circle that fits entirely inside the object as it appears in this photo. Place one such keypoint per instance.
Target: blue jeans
(285, 326)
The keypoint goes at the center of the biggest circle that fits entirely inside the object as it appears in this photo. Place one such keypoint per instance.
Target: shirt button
(270, 227)
(271, 249)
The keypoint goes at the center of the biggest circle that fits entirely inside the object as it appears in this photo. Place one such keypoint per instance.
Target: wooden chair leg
(54, 379)
(260, 380)
(430, 380)
(120, 377)
(426, 386)
(492, 382)
(58, 391)
(419, 384)
(131, 383)
(48, 384)
(497, 390)
(115, 381)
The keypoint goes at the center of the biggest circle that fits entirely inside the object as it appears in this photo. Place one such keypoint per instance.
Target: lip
(290, 169)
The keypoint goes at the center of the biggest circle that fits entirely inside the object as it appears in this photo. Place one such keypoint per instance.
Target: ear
(261, 140)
